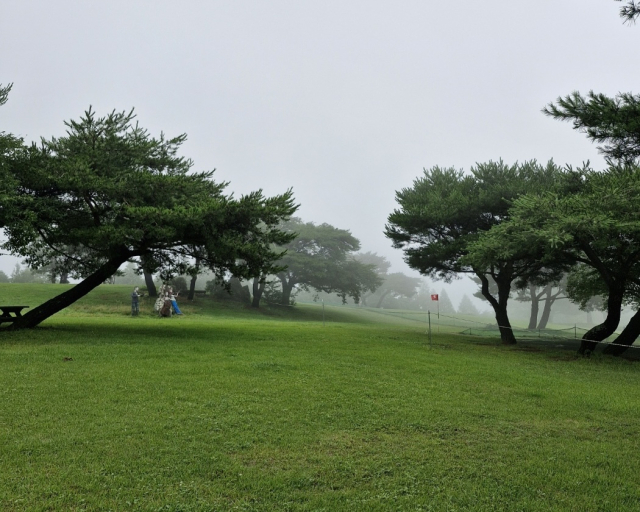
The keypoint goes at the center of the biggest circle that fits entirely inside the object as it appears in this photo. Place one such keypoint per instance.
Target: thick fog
(345, 102)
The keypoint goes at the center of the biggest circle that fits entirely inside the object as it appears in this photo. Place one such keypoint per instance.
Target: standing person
(174, 303)
(135, 304)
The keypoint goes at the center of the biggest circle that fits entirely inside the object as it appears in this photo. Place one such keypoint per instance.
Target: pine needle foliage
(108, 191)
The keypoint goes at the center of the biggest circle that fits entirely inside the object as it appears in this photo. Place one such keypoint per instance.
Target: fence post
(322, 312)
(575, 333)
(429, 315)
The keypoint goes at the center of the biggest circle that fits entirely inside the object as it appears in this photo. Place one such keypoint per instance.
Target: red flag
(434, 296)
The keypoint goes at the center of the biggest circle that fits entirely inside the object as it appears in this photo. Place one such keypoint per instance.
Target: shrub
(236, 292)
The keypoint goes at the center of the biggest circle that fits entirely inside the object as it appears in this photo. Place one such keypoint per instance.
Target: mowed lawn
(227, 408)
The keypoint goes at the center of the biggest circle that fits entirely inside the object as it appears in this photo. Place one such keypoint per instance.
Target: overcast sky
(344, 101)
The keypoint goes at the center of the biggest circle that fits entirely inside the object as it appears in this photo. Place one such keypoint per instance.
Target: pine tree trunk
(546, 312)
(259, 282)
(286, 294)
(192, 287)
(506, 332)
(384, 295)
(287, 287)
(500, 307)
(59, 302)
(626, 338)
(602, 331)
(255, 296)
(535, 306)
(194, 277)
(151, 286)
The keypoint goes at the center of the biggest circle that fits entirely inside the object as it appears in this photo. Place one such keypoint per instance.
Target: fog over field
(345, 102)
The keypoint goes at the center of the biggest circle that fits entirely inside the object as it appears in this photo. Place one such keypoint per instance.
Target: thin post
(429, 317)
(575, 331)
(322, 312)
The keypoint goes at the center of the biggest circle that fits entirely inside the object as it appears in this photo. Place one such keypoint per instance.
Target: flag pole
(435, 297)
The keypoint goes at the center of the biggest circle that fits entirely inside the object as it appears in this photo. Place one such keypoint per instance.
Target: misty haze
(319, 255)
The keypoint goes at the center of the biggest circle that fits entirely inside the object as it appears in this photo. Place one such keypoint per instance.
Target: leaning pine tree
(446, 211)
(107, 192)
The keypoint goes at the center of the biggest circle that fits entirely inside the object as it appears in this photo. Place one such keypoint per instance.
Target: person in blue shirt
(174, 303)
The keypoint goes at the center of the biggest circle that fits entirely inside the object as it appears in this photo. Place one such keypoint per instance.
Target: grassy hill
(114, 300)
(229, 408)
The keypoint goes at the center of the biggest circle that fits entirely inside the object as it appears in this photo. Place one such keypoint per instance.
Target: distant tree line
(108, 194)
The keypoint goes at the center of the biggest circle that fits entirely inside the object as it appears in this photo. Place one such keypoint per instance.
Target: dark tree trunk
(499, 306)
(259, 282)
(192, 287)
(363, 299)
(384, 296)
(151, 286)
(602, 331)
(535, 305)
(506, 332)
(64, 278)
(59, 302)
(628, 335)
(287, 287)
(192, 284)
(546, 311)
(286, 294)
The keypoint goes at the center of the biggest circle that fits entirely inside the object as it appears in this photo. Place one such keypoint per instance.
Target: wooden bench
(11, 313)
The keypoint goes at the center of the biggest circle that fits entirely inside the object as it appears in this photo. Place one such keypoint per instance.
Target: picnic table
(11, 313)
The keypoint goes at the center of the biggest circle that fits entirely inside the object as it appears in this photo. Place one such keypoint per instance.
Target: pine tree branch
(630, 12)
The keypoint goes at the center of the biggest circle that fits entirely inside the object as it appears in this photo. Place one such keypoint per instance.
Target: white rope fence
(540, 334)
(488, 329)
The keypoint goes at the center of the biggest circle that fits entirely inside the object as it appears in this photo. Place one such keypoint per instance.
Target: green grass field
(229, 408)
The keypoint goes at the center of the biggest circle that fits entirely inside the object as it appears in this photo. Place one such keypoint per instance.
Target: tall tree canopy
(595, 222)
(445, 211)
(380, 263)
(322, 257)
(393, 286)
(9, 147)
(612, 122)
(107, 192)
